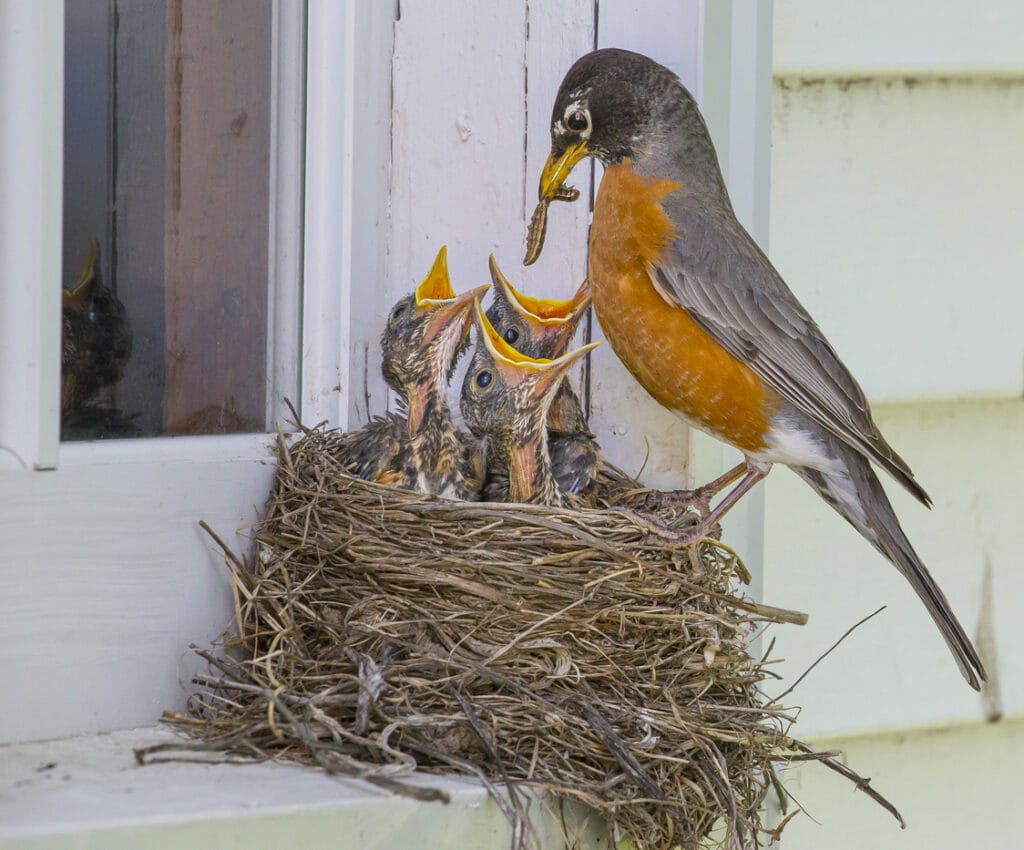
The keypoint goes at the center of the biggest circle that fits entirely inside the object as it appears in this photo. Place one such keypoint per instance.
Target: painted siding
(959, 37)
(895, 217)
(956, 788)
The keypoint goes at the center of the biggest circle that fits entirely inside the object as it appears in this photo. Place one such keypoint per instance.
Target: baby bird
(97, 339)
(507, 396)
(425, 335)
(543, 328)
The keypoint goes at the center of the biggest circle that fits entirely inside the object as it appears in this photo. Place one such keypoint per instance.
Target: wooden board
(217, 202)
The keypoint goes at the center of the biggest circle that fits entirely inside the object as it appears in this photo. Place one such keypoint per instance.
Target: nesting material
(577, 651)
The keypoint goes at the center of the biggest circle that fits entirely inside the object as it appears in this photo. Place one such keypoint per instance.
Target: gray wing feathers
(717, 273)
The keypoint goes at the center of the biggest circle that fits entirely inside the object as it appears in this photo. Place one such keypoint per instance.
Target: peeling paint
(789, 82)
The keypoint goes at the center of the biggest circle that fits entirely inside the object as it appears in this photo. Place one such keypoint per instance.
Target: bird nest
(577, 651)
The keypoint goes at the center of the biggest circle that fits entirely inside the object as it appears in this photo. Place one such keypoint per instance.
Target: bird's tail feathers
(859, 498)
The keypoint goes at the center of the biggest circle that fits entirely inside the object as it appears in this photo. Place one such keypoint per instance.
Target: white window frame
(96, 532)
(102, 566)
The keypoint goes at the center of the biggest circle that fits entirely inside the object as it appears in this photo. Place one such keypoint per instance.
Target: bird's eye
(398, 311)
(577, 121)
(483, 379)
(511, 336)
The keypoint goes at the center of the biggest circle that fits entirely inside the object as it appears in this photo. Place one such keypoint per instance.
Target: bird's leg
(706, 492)
(702, 529)
(732, 497)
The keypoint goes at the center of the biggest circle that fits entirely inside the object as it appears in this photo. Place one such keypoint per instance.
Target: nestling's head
(426, 332)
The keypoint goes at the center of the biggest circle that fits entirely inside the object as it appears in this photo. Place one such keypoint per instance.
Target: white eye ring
(572, 120)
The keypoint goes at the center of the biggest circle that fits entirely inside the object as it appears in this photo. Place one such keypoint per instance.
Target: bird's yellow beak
(452, 312)
(437, 285)
(501, 352)
(75, 296)
(557, 171)
(504, 354)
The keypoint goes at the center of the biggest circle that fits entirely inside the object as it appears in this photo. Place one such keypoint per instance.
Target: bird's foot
(689, 537)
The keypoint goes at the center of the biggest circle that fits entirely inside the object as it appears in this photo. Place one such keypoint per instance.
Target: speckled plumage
(541, 328)
(422, 450)
(506, 398)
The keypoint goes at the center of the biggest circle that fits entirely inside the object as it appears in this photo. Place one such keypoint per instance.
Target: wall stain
(985, 641)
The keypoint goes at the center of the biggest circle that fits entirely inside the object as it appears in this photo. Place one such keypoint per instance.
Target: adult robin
(701, 318)
(543, 328)
(426, 333)
(507, 398)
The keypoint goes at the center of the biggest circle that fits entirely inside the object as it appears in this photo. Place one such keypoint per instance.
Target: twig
(826, 653)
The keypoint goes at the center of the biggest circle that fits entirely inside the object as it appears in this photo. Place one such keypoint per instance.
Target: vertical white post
(284, 244)
(329, 105)
(349, 47)
(31, 181)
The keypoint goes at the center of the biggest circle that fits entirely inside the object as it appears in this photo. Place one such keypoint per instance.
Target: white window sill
(87, 792)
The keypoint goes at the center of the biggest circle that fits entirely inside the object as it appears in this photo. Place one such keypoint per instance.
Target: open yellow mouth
(543, 311)
(557, 171)
(437, 285)
(502, 352)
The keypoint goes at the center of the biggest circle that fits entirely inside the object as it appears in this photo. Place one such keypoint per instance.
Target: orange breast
(665, 349)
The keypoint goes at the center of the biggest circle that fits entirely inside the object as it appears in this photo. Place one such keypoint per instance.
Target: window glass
(167, 196)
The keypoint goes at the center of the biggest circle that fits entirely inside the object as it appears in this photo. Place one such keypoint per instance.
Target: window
(171, 158)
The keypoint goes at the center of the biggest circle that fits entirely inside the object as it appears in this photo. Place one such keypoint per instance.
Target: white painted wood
(105, 576)
(327, 220)
(669, 31)
(459, 124)
(470, 135)
(951, 37)
(31, 168)
(897, 222)
(371, 202)
(956, 787)
(896, 672)
(347, 155)
(95, 797)
(558, 33)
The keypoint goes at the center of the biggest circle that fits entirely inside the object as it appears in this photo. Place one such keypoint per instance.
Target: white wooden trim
(284, 243)
(31, 198)
(87, 792)
(329, 105)
(347, 144)
(105, 576)
(171, 450)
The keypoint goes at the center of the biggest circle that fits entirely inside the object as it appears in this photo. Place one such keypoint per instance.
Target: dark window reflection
(166, 200)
